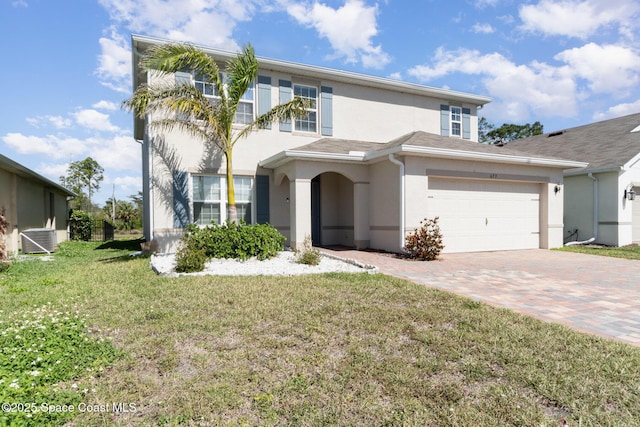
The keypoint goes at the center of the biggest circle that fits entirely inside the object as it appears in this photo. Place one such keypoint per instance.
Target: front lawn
(334, 349)
(628, 252)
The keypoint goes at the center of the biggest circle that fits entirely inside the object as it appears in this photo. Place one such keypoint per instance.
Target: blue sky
(67, 63)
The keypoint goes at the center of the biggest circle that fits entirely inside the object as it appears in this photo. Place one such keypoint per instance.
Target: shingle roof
(415, 139)
(339, 146)
(610, 143)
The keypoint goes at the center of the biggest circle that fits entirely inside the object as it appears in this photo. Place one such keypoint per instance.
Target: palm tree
(192, 112)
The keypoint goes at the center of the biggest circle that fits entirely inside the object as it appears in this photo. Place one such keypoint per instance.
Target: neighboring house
(599, 203)
(29, 200)
(362, 169)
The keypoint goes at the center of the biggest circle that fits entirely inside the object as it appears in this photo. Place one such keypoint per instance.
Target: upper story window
(456, 121)
(308, 123)
(244, 112)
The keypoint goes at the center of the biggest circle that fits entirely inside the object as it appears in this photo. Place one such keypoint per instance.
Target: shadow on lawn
(122, 245)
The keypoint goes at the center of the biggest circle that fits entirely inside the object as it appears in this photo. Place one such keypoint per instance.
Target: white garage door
(635, 233)
(485, 215)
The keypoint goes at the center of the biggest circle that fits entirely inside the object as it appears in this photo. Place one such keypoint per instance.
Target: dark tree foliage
(490, 134)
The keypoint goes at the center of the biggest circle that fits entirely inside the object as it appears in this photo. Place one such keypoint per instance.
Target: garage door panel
(485, 215)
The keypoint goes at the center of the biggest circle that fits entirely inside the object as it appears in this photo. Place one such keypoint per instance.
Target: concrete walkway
(593, 294)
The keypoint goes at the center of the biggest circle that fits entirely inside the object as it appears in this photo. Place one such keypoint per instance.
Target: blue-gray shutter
(262, 199)
(444, 120)
(264, 96)
(180, 199)
(183, 78)
(326, 113)
(286, 95)
(466, 123)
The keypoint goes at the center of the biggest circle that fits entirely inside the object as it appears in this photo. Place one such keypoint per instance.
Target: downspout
(596, 213)
(146, 145)
(395, 161)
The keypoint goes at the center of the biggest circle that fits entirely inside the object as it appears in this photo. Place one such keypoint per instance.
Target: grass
(331, 349)
(627, 252)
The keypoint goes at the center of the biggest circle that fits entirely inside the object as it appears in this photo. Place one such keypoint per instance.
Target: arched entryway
(332, 210)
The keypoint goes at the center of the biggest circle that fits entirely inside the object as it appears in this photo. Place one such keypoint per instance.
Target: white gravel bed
(281, 265)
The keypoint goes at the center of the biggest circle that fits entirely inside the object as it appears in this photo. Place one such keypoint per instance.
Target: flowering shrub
(4, 259)
(39, 350)
(425, 243)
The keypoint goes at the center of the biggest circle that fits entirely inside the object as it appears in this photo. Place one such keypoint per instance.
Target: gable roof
(417, 143)
(20, 170)
(609, 144)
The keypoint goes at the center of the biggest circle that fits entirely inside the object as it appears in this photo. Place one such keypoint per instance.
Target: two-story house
(364, 167)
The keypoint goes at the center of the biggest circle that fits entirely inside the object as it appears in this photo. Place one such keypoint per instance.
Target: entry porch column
(361, 237)
(300, 211)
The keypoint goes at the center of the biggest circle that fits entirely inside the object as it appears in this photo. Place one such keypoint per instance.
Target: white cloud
(483, 28)
(480, 4)
(519, 90)
(106, 105)
(19, 3)
(618, 111)
(50, 145)
(58, 122)
(578, 18)
(210, 22)
(94, 120)
(119, 153)
(114, 62)
(349, 29)
(207, 22)
(53, 170)
(128, 183)
(607, 68)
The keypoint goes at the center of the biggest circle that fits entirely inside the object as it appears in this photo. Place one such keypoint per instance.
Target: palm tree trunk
(232, 215)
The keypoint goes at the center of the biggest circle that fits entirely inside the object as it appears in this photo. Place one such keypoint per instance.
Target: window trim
(458, 121)
(223, 197)
(243, 100)
(315, 110)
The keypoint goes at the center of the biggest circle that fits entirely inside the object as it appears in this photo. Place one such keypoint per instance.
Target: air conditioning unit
(35, 239)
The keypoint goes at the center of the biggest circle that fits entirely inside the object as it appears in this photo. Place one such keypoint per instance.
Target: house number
(493, 176)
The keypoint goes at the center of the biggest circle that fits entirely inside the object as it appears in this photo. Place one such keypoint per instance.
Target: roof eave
(586, 170)
(475, 156)
(17, 168)
(315, 71)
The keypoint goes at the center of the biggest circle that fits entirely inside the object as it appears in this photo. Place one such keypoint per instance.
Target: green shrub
(307, 254)
(425, 243)
(237, 240)
(230, 240)
(190, 259)
(80, 225)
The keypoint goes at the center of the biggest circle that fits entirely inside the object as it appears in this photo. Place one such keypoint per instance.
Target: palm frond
(293, 109)
(174, 57)
(242, 71)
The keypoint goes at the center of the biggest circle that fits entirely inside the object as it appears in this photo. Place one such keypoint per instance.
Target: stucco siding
(384, 202)
(578, 207)
(28, 203)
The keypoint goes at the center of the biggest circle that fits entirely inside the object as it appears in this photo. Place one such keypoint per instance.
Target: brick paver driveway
(598, 295)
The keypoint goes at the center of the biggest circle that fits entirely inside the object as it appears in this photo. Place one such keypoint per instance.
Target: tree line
(84, 177)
